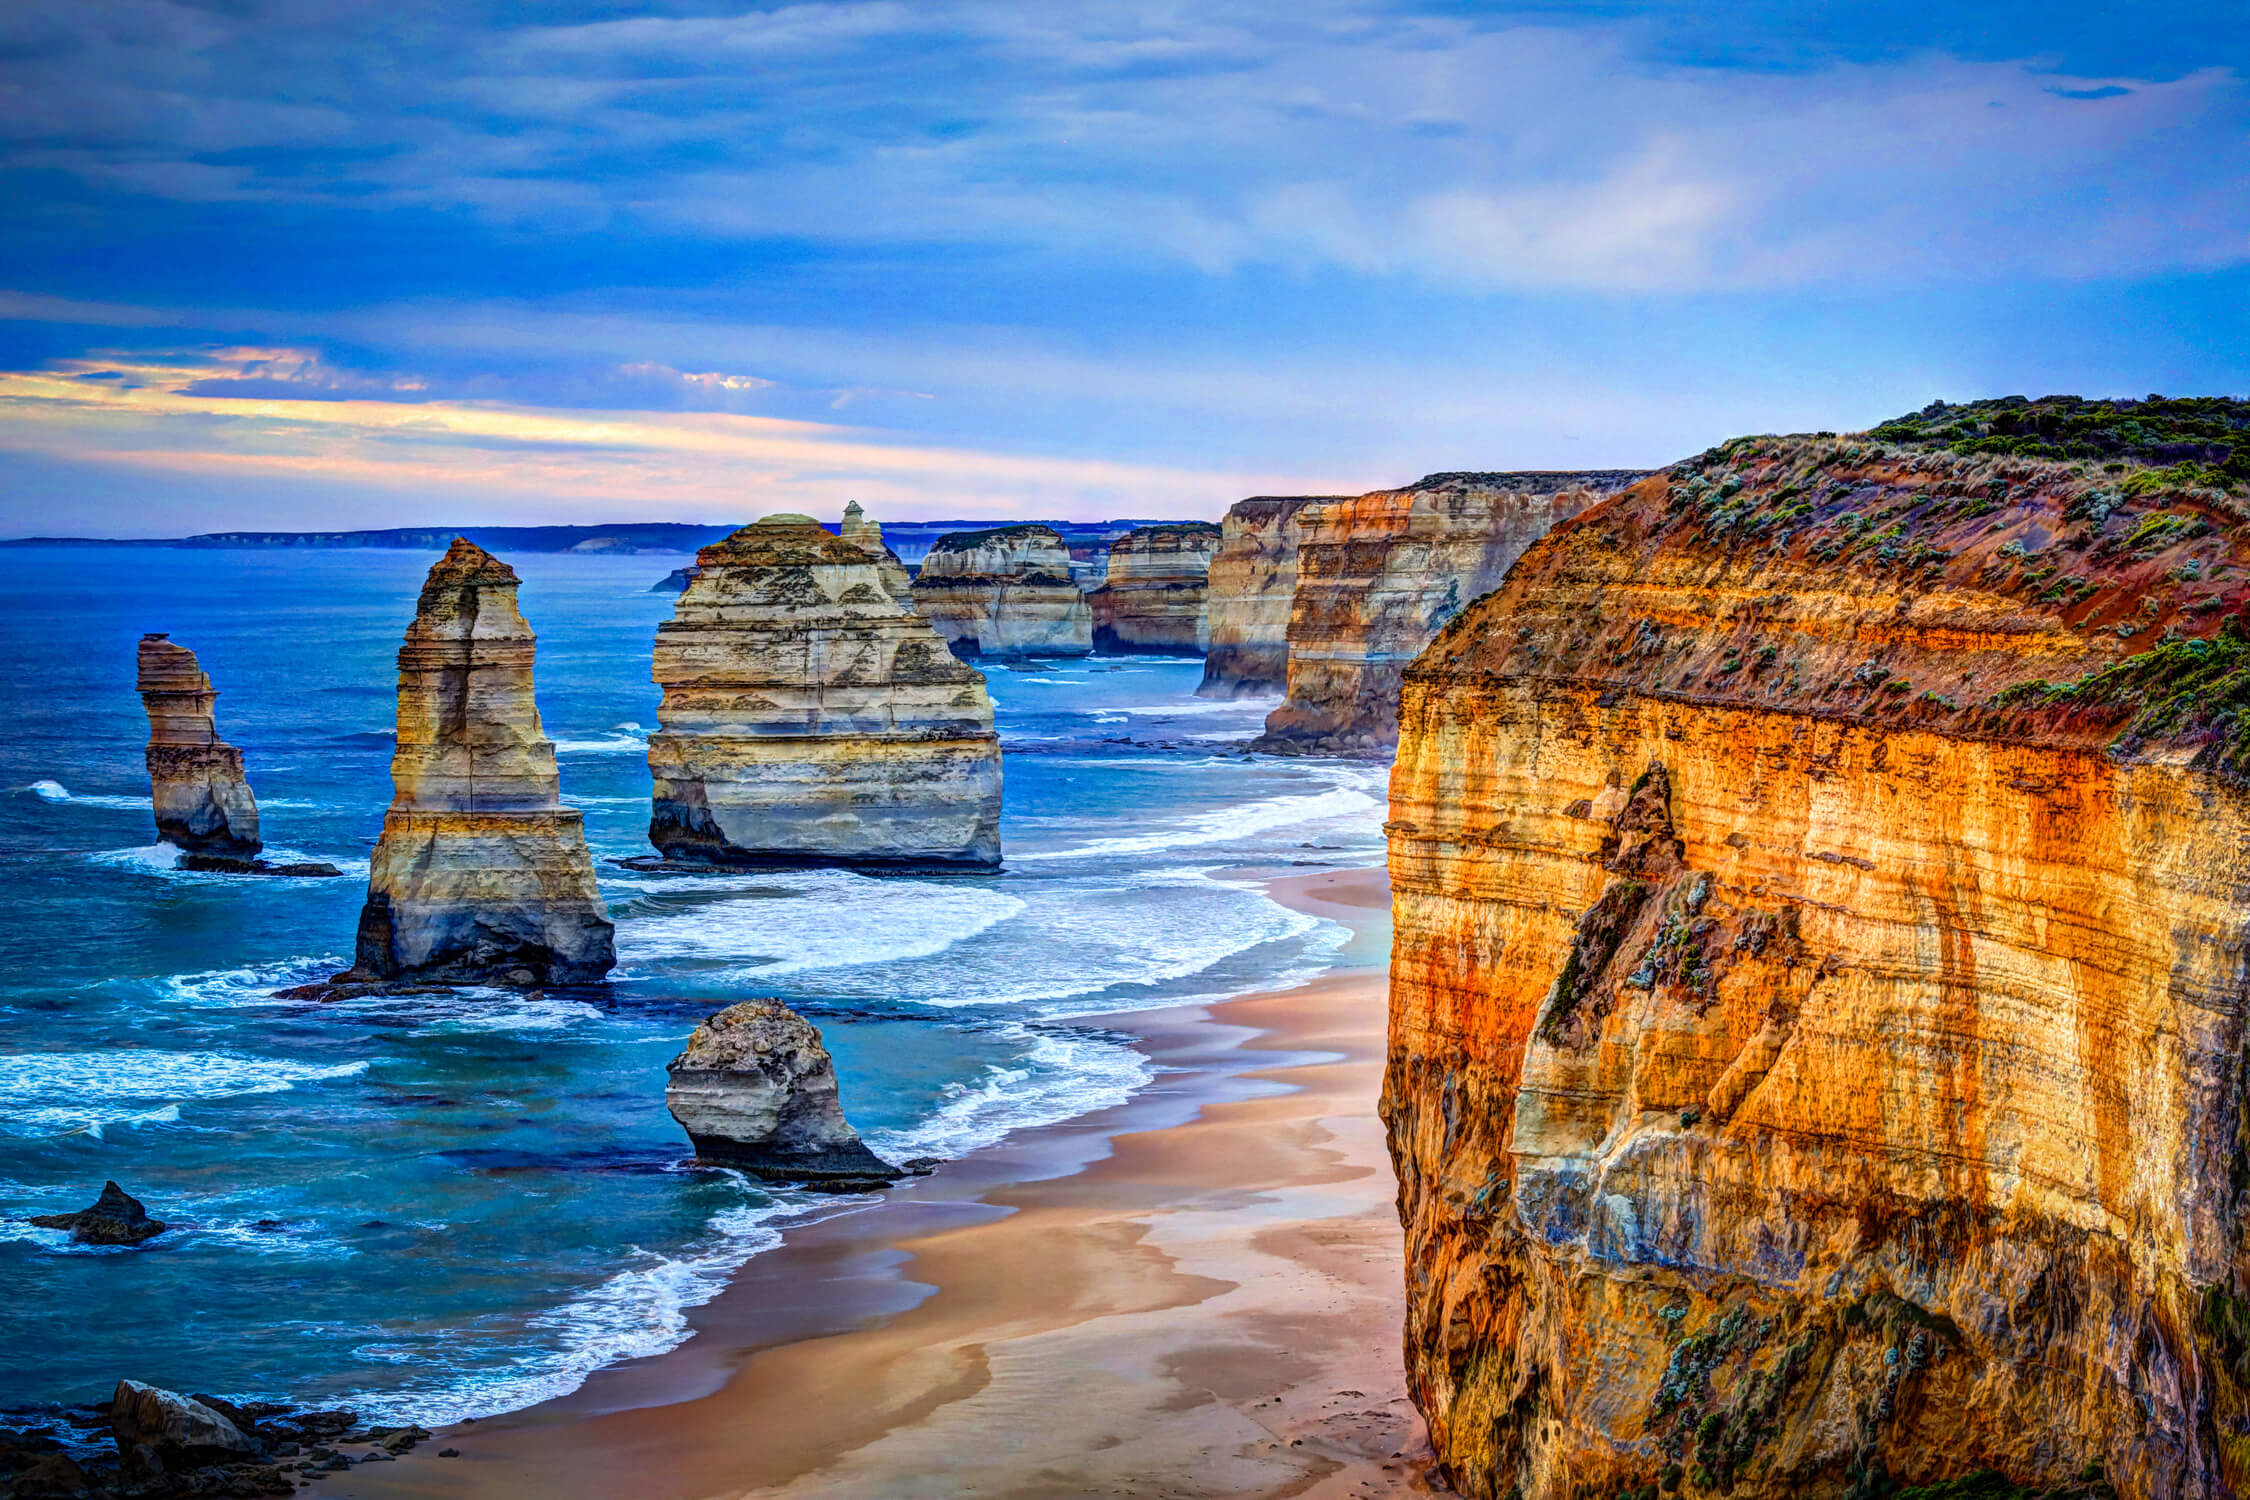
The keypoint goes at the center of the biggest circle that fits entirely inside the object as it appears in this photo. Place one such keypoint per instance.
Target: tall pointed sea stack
(482, 874)
(810, 716)
(202, 803)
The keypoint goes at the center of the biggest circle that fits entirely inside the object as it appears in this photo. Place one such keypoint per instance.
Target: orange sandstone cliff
(1379, 575)
(1817, 1050)
(1252, 583)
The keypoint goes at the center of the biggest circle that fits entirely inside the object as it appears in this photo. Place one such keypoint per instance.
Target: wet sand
(1195, 1294)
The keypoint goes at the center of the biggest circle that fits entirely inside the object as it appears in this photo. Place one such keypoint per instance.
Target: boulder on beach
(756, 1089)
(160, 1431)
(116, 1218)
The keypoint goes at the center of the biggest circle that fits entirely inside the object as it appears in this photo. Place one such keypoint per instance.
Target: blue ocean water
(435, 1207)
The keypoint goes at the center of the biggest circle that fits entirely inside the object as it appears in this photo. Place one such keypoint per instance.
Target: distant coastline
(911, 539)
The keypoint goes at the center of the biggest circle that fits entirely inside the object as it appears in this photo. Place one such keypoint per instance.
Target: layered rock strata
(1817, 1054)
(203, 803)
(811, 716)
(1379, 575)
(481, 875)
(1154, 596)
(1252, 583)
(755, 1089)
(1005, 591)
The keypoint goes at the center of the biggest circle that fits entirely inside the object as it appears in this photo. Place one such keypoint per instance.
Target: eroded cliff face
(1379, 575)
(810, 716)
(1252, 583)
(1817, 1050)
(481, 875)
(1004, 592)
(1154, 594)
(202, 801)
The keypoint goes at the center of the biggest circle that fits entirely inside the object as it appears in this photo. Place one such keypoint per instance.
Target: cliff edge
(1817, 1054)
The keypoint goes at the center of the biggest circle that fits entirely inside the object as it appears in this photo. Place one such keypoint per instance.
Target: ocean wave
(1223, 825)
(1199, 706)
(61, 1093)
(163, 860)
(616, 744)
(640, 1311)
(56, 792)
(798, 921)
(1059, 1074)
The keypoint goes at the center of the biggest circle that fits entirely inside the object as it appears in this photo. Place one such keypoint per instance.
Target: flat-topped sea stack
(1379, 575)
(1253, 582)
(1153, 599)
(203, 803)
(481, 875)
(1818, 1062)
(1005, 591)
(811, 717)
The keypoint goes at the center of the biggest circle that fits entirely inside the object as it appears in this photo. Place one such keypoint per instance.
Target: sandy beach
(1195, 1294)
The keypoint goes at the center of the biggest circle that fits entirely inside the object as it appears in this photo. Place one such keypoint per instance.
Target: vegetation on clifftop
(2208, 436)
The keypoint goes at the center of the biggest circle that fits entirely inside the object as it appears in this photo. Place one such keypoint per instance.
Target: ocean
(436, 1207)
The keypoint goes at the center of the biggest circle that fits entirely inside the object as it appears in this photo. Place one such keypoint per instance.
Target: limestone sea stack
(811, 717)
(1818, 1061)
(756, 1089)
(1379, 575)
(203, 804)
(1154, 596)
(1002, 592)
(481, 875)
(1253, 581)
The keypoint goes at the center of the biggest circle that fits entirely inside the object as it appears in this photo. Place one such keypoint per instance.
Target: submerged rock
(1380, 575)
(160, 1432)
(1004, 591)
(810, 716)
(1252, 582)
(755, 1089)
(116, 1218)
(203, 804)
(481, 875)
(1153, 597)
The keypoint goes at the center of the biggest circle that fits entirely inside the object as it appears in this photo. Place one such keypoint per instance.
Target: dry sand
(1199, 1296)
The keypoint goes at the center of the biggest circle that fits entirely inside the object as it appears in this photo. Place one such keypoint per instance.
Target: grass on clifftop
(2206, 438)
(2197, 688)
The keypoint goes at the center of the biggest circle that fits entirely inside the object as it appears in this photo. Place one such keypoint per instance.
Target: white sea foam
(163, 860)
(55, 791)
(1221, 826)
(1058, 1074)
(615, 744)
(59, 1093)
(1196, 706)
(838, 920)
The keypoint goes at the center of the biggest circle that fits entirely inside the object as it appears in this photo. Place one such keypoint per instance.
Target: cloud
(1468, 153)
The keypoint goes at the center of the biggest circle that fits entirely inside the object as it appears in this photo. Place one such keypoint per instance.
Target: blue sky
(301, 263)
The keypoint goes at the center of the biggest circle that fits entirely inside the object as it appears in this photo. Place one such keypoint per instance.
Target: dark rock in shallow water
(117, 1218)
(160, 1432)
(756, 1089)
(222, 864)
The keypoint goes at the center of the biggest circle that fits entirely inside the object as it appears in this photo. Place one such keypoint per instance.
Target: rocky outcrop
(674, 582)
(1817, 1054)
(481, 875)
(1379, 575)
(116, 1218)
(1253, 582)
(1006, 591)
(160, 1432)
(810, 716)
(756, 1089)
(1154, 596)
(203, 804)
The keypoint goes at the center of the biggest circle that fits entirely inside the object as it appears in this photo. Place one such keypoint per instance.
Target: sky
(318, 264)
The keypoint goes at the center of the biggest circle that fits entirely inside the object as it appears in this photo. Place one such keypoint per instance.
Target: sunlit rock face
(1379, 575)
(1252, 583)
(1006, 591)
(1153, 597)
(203, 803)
(481, 875)
(811, 716)
(755, 1089)
(1817, 1054)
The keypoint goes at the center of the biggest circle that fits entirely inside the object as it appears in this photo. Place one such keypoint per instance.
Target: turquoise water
(435, 1207)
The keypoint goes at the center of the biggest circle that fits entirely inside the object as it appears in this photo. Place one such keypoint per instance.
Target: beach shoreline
(1195, 1293)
